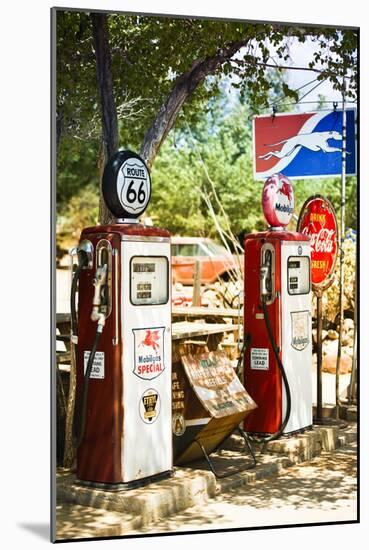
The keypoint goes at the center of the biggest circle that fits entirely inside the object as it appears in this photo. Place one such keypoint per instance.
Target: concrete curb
(192, 486)
(148, 504)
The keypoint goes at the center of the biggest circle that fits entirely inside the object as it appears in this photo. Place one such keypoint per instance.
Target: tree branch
(184, 86)
(108, 109)
(105, 81)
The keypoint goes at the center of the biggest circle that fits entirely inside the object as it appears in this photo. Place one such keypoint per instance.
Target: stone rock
(348, 324)
(347, 340)
(330, 347)
(348, 350)
(329, 364)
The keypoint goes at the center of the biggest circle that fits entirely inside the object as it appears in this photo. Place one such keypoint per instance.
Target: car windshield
(189, 250)
(213, 249)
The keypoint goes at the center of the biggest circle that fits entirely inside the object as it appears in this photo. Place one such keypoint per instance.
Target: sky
(301, 54)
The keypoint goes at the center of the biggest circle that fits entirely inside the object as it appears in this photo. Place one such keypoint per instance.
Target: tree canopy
(168, 73)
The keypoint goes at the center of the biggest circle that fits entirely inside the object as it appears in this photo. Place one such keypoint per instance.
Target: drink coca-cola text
(323, 241)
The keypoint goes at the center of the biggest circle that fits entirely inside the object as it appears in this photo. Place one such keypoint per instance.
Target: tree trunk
(184, 86)
(108, 108)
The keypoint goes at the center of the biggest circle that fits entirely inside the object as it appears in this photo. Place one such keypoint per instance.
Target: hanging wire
(280, 104)
(297, 90)
(312, 89)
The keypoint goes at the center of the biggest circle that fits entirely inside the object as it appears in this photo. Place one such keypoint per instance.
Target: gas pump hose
(83, 407)
(78, 434)
(276, 435)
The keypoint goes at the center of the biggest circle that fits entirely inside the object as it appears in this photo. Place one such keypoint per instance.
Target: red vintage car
(215, 261)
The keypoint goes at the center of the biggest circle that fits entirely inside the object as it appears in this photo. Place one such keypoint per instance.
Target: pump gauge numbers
(149, 280)
(126, 185)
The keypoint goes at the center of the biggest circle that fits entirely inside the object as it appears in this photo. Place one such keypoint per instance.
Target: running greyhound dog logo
(149, 352)
(315, 141)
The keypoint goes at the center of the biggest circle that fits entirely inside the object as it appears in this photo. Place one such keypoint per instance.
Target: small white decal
(149, 352)
(98, 367)
(259, 359)
(149, 406)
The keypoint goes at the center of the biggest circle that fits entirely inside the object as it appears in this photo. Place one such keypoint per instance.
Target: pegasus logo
(151, 339)
(315, 141)
(286, 190)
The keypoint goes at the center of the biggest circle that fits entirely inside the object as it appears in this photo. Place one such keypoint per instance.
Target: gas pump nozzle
(99, 281)
(264, 270)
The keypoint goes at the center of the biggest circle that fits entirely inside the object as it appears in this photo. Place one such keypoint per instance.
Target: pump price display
(149, 280)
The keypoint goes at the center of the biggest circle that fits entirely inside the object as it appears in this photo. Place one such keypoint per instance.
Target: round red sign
(318, 219)
(278, 200)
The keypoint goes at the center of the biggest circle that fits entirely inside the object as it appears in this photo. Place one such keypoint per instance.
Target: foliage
(82, 211)
(219, 144)
(222, 140)
(330, 299)
(146, 61)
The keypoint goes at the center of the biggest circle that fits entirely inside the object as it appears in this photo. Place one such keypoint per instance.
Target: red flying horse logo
(286, 190)
(151, 339)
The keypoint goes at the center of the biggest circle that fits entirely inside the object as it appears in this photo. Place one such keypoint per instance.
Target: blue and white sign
(304, 145)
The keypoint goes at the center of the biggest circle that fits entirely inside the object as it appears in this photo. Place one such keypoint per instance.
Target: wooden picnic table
(205, 312)
(211, 333)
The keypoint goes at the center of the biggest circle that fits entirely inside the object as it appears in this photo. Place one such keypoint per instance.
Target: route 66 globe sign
(278, 200)
(126, 185)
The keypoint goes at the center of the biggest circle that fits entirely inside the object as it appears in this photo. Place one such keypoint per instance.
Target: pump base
(135, 484)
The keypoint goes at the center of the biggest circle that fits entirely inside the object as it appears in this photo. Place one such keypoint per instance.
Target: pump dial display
(149, 280)
(298, 275)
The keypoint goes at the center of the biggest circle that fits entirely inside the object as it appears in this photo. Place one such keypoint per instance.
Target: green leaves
(148, 54)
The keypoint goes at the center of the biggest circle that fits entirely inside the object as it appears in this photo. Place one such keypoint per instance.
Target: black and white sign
(126, 185)
(149, 406)
(259, 359)
(133, 185)
(98, 366)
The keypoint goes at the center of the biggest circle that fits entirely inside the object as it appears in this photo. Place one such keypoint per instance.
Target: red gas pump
(123, 413)
(277, 319)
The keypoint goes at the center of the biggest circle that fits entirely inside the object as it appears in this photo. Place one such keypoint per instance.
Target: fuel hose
(86, 380)
(81, 407)
(276, 435)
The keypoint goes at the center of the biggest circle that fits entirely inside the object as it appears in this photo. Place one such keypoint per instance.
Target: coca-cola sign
(318, 219)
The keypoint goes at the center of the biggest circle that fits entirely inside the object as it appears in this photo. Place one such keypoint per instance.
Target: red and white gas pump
(123, 414)
(277, 319)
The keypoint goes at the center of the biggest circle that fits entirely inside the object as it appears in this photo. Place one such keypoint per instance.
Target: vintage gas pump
(123, 413)
(277, 319)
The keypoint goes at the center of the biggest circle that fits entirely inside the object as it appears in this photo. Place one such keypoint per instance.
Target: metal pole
(319, 412)
(196, 284)
(342, 239)
(351, 393)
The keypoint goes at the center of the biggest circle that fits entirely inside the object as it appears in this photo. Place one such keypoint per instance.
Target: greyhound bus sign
(304, 145)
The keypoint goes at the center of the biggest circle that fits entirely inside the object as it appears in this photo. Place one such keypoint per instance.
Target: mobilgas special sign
(304, 145)
(149, 352)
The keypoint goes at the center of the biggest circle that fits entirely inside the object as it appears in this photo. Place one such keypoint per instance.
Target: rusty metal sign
(216, 385)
